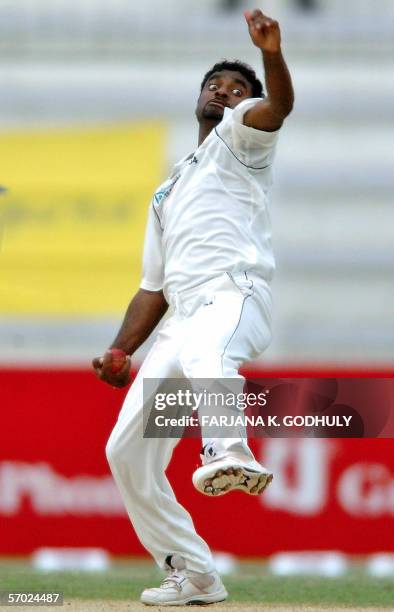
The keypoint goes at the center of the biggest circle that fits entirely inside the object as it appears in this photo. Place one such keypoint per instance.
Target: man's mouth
(217, 103)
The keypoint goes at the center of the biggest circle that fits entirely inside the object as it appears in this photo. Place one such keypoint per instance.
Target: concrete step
(68, 92)
(339, 235)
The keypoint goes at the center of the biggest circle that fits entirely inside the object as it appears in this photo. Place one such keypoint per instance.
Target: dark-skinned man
(208, 256)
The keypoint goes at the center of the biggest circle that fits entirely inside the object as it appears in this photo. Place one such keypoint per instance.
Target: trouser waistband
(203, 292)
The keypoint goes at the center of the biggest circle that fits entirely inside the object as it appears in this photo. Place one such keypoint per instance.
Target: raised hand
(264, 31)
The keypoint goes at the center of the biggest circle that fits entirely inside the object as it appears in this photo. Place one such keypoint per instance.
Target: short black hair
(237, 66)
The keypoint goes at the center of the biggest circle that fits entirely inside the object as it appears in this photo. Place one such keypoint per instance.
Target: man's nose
(222, 92)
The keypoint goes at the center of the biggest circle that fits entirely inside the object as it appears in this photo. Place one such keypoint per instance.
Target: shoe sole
(233, 478)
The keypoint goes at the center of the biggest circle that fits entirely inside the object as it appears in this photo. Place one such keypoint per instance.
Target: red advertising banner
(56, 488)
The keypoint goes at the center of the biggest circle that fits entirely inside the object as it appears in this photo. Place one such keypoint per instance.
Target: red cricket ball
(119, 358)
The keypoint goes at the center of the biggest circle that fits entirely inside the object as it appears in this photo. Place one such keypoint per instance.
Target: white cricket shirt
(211, 215)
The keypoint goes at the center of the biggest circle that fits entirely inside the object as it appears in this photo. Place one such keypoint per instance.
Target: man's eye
(212, 87)
(237, 92)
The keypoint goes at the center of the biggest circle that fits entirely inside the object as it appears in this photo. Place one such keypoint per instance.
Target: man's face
(224, 88)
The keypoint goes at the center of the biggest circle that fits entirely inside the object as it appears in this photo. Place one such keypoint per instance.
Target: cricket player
(207, 256)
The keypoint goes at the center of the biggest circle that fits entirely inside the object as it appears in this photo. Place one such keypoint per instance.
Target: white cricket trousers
(214, 328)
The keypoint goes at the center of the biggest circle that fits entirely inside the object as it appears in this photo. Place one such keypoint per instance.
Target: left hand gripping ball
(119, 359)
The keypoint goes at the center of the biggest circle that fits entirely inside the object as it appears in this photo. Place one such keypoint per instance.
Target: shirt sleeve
(254, 148)
(152, 260)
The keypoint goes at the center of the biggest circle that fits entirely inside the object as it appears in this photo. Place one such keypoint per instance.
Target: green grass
(253, 583)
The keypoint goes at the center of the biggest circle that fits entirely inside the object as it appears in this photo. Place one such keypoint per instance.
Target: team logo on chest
(163, 193)
(160, 197)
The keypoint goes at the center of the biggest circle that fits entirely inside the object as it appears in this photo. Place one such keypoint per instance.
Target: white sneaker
(182, 587)
(232, 473)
